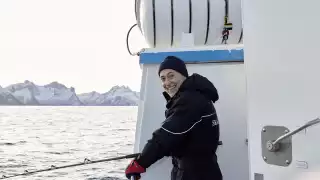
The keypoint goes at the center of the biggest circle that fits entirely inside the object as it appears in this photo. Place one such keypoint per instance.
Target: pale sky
(80, 43)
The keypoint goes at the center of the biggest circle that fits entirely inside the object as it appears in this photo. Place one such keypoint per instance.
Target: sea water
(33, 138)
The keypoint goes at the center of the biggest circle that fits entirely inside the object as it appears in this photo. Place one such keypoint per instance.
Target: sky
(79, 43)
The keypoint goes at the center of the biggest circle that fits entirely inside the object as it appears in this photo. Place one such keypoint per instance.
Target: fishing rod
(86, 161)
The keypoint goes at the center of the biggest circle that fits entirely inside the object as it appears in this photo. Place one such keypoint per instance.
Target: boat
(263, 60)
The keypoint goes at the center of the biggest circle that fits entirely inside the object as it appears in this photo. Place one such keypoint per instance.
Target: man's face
(171, 81)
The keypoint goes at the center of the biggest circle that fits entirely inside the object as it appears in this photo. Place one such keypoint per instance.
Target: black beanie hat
(172, 62)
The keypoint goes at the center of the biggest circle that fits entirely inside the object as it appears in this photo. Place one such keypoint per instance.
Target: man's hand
(134, 169)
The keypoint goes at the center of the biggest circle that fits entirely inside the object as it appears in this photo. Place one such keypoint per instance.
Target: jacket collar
(169, 99)
(166, 96)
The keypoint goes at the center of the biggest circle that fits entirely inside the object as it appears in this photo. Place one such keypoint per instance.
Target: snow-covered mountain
(6, 98)
(117, 95)
(56, 94)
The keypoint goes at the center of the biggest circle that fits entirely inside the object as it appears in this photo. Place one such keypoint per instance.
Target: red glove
(134, 169)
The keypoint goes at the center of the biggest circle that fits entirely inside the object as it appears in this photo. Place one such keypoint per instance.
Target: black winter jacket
(190, 133)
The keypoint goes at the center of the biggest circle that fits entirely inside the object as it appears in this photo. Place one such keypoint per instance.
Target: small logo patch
(215, 122)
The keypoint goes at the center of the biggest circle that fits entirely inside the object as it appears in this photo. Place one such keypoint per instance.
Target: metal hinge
(276, 143)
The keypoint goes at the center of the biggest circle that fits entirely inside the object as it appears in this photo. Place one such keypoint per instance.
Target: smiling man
(190, 132)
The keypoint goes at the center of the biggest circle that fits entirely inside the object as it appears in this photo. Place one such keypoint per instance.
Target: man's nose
(166, 82)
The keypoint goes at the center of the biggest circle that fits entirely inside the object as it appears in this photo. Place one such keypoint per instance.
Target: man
(190, 133)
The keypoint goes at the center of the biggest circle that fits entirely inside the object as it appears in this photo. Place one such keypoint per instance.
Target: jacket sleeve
(186, 114)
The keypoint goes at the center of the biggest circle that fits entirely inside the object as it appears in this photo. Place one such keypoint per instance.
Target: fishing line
(85, 162)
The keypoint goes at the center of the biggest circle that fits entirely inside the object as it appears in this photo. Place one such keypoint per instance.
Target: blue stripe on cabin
(196, 56)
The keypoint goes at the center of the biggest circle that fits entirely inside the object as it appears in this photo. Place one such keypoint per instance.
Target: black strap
(154, 23)
(172, 22)
(208, 22)
(190, 16)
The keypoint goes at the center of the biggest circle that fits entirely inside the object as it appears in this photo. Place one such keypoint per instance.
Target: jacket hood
(199, 83)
